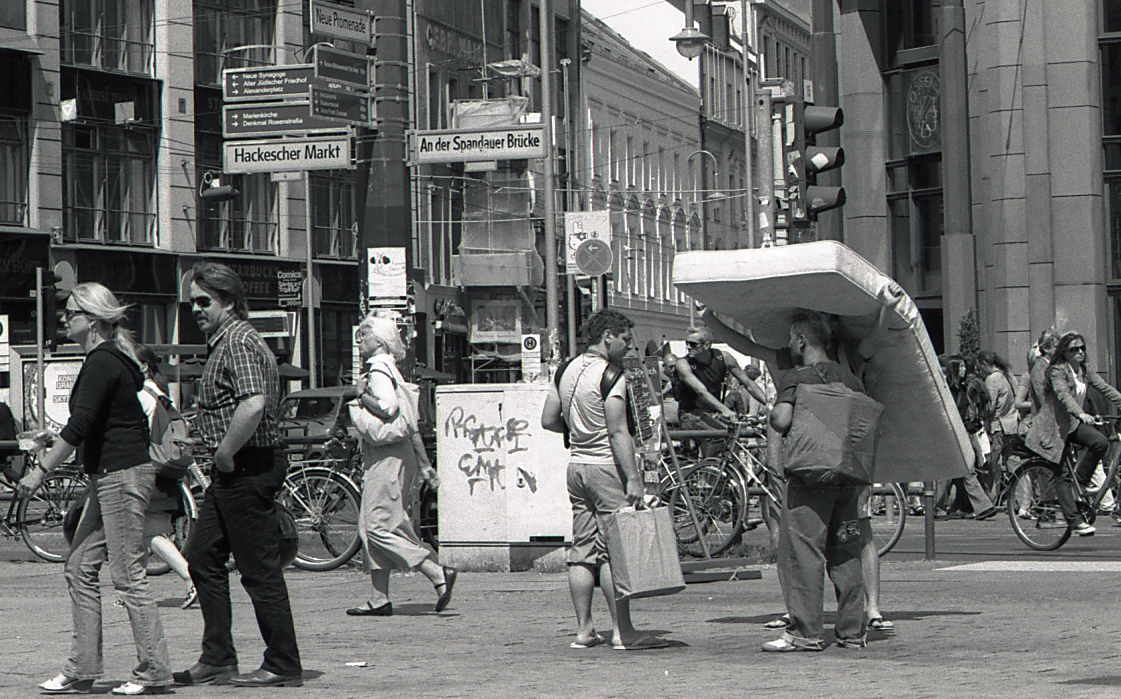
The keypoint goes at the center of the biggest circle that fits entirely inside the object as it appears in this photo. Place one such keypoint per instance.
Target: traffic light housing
(812, 198)
(54, 301)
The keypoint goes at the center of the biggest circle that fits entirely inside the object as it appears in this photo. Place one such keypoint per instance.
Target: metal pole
(778, 170)
(40, 389)
(928, 518)
(312, 355)
(552, 295)
(570, 204)
(749, 168)
(766, 174)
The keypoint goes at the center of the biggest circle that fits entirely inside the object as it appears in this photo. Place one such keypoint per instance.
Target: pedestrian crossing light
(816, 159)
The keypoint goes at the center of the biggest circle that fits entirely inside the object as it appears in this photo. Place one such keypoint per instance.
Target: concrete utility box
(503, 498)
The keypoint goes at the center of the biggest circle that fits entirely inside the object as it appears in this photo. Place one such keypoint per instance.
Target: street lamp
(703, 193)
(690, 40)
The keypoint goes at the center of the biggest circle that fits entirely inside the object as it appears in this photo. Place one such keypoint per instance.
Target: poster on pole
(580, 227)
(386, 276)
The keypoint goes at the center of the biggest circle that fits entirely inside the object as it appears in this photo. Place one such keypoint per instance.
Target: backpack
(832, 436)
(611, 376)
(975, 405)
(170, 447)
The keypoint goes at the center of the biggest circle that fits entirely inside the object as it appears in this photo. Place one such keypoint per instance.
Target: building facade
(1036, 242)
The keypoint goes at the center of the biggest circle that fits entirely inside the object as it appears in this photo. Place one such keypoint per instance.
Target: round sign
(529, 343)
(593, 257)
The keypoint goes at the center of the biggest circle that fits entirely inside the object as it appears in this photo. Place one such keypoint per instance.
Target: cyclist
(1062, 421)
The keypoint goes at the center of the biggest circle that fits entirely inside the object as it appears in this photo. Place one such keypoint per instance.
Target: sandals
(780, 623)
(785, 644)
(880, 624)
(595, 640)
(450, 575)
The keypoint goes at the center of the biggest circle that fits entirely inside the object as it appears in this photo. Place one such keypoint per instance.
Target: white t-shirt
(582, 409)
(147, 400)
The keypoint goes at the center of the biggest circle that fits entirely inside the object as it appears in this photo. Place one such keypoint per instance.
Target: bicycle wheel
(719, 501)
(1033, 509)
(889, 515)
(39, 517)
(181, 526)
(325, 505)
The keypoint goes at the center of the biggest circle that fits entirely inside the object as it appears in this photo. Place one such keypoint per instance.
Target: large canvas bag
(375, 430)
(832, 436)
(643, 551)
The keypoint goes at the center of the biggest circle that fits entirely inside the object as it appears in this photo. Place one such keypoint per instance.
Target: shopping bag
(643, 552)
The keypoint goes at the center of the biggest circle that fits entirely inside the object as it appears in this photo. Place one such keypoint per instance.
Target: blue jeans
(239, 516)
(819, 532)
(112, 529)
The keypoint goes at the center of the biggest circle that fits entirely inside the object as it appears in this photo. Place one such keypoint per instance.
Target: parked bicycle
(1032, 499)
(38, 519)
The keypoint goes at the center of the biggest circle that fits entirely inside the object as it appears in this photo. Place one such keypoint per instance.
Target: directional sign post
(273, 119)
(338, 105)
(346, 68)
(256, 84)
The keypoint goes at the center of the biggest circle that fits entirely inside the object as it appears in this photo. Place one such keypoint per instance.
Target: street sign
(255, 84)
(593, 257)
(581, 226)
(338, 105)
(287, 155)
(531, 357)
(328, 19)
(280, 118)
(469, 145)
(347, 68)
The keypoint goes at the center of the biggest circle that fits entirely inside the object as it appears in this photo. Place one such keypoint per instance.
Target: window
(247, 223)
(13, 15)
(108, 34)
(108, 174)
(911, 24)
(333, 215)
(14, 149)
(232, 34)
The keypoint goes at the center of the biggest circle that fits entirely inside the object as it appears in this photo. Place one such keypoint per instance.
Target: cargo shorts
(593, 490)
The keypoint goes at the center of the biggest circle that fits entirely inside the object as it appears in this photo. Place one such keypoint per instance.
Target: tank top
(711, 375)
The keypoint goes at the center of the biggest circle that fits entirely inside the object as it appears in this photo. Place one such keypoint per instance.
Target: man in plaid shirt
(237, 419)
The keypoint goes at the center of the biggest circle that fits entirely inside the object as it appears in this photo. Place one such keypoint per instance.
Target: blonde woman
(390, 542)
(109, 425)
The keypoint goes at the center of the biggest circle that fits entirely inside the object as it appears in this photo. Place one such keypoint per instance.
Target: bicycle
(1033, 503)
(38, 519)
(325, 501)
(738, 491)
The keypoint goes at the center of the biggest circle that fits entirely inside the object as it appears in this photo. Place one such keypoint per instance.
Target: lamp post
(690, 40)
(703, 193)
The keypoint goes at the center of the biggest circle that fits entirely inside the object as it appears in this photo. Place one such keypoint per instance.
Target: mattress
(756, 293)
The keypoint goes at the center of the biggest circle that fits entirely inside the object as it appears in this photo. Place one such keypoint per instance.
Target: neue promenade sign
(339, 22)
(467, 145)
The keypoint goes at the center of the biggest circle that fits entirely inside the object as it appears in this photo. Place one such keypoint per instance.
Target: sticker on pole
(593, 257)
(579, 227)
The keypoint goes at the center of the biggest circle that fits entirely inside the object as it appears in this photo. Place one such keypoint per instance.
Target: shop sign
(468, 145)
(289, 288)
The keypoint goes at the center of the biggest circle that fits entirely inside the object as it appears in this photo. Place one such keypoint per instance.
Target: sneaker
(785, 644)
(191, 597)
(1083, 529)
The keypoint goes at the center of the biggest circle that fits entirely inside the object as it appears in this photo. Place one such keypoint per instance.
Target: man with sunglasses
(237, 401)
(700, 382)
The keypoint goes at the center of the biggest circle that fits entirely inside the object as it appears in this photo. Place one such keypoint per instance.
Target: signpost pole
(552, 301)
(40, 389)
(313, 366)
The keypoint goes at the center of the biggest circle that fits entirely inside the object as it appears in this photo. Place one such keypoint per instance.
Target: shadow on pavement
(830, 617)
(419, 610)
(1107, 681)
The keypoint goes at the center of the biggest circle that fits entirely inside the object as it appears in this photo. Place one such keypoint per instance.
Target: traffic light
(54, 301)
(814, 159)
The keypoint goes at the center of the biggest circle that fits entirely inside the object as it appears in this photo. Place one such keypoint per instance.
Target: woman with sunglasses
(108, 423)
(1062, 419)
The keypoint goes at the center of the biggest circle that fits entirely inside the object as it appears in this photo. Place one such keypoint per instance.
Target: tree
(969, 336)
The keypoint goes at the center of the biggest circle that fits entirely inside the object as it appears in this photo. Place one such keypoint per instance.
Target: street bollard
(928, 518)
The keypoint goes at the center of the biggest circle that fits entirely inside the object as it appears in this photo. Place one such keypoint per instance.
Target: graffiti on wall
(484, 449)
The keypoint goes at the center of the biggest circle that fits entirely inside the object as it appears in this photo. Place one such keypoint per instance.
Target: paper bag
(643, 552)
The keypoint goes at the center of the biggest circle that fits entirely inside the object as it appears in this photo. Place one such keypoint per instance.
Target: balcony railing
(335, 242)
(109, 226)
(238, 235)
(13, 212)
(107, 53)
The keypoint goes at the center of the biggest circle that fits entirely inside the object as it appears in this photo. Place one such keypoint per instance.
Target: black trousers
(239, 516)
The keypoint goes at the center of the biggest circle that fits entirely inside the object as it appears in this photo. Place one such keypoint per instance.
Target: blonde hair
(384, 331)
(101, 305)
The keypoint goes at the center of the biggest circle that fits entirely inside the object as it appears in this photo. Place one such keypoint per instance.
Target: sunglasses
(690, 344)
(69, 313)
(202, 301)
(1079, 348)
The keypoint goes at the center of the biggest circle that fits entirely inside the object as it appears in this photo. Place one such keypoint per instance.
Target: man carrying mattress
(820, 524)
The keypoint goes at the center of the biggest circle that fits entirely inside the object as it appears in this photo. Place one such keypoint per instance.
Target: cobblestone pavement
(1049, 628)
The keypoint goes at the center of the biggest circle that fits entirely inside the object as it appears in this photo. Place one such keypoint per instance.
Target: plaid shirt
(239, 365)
